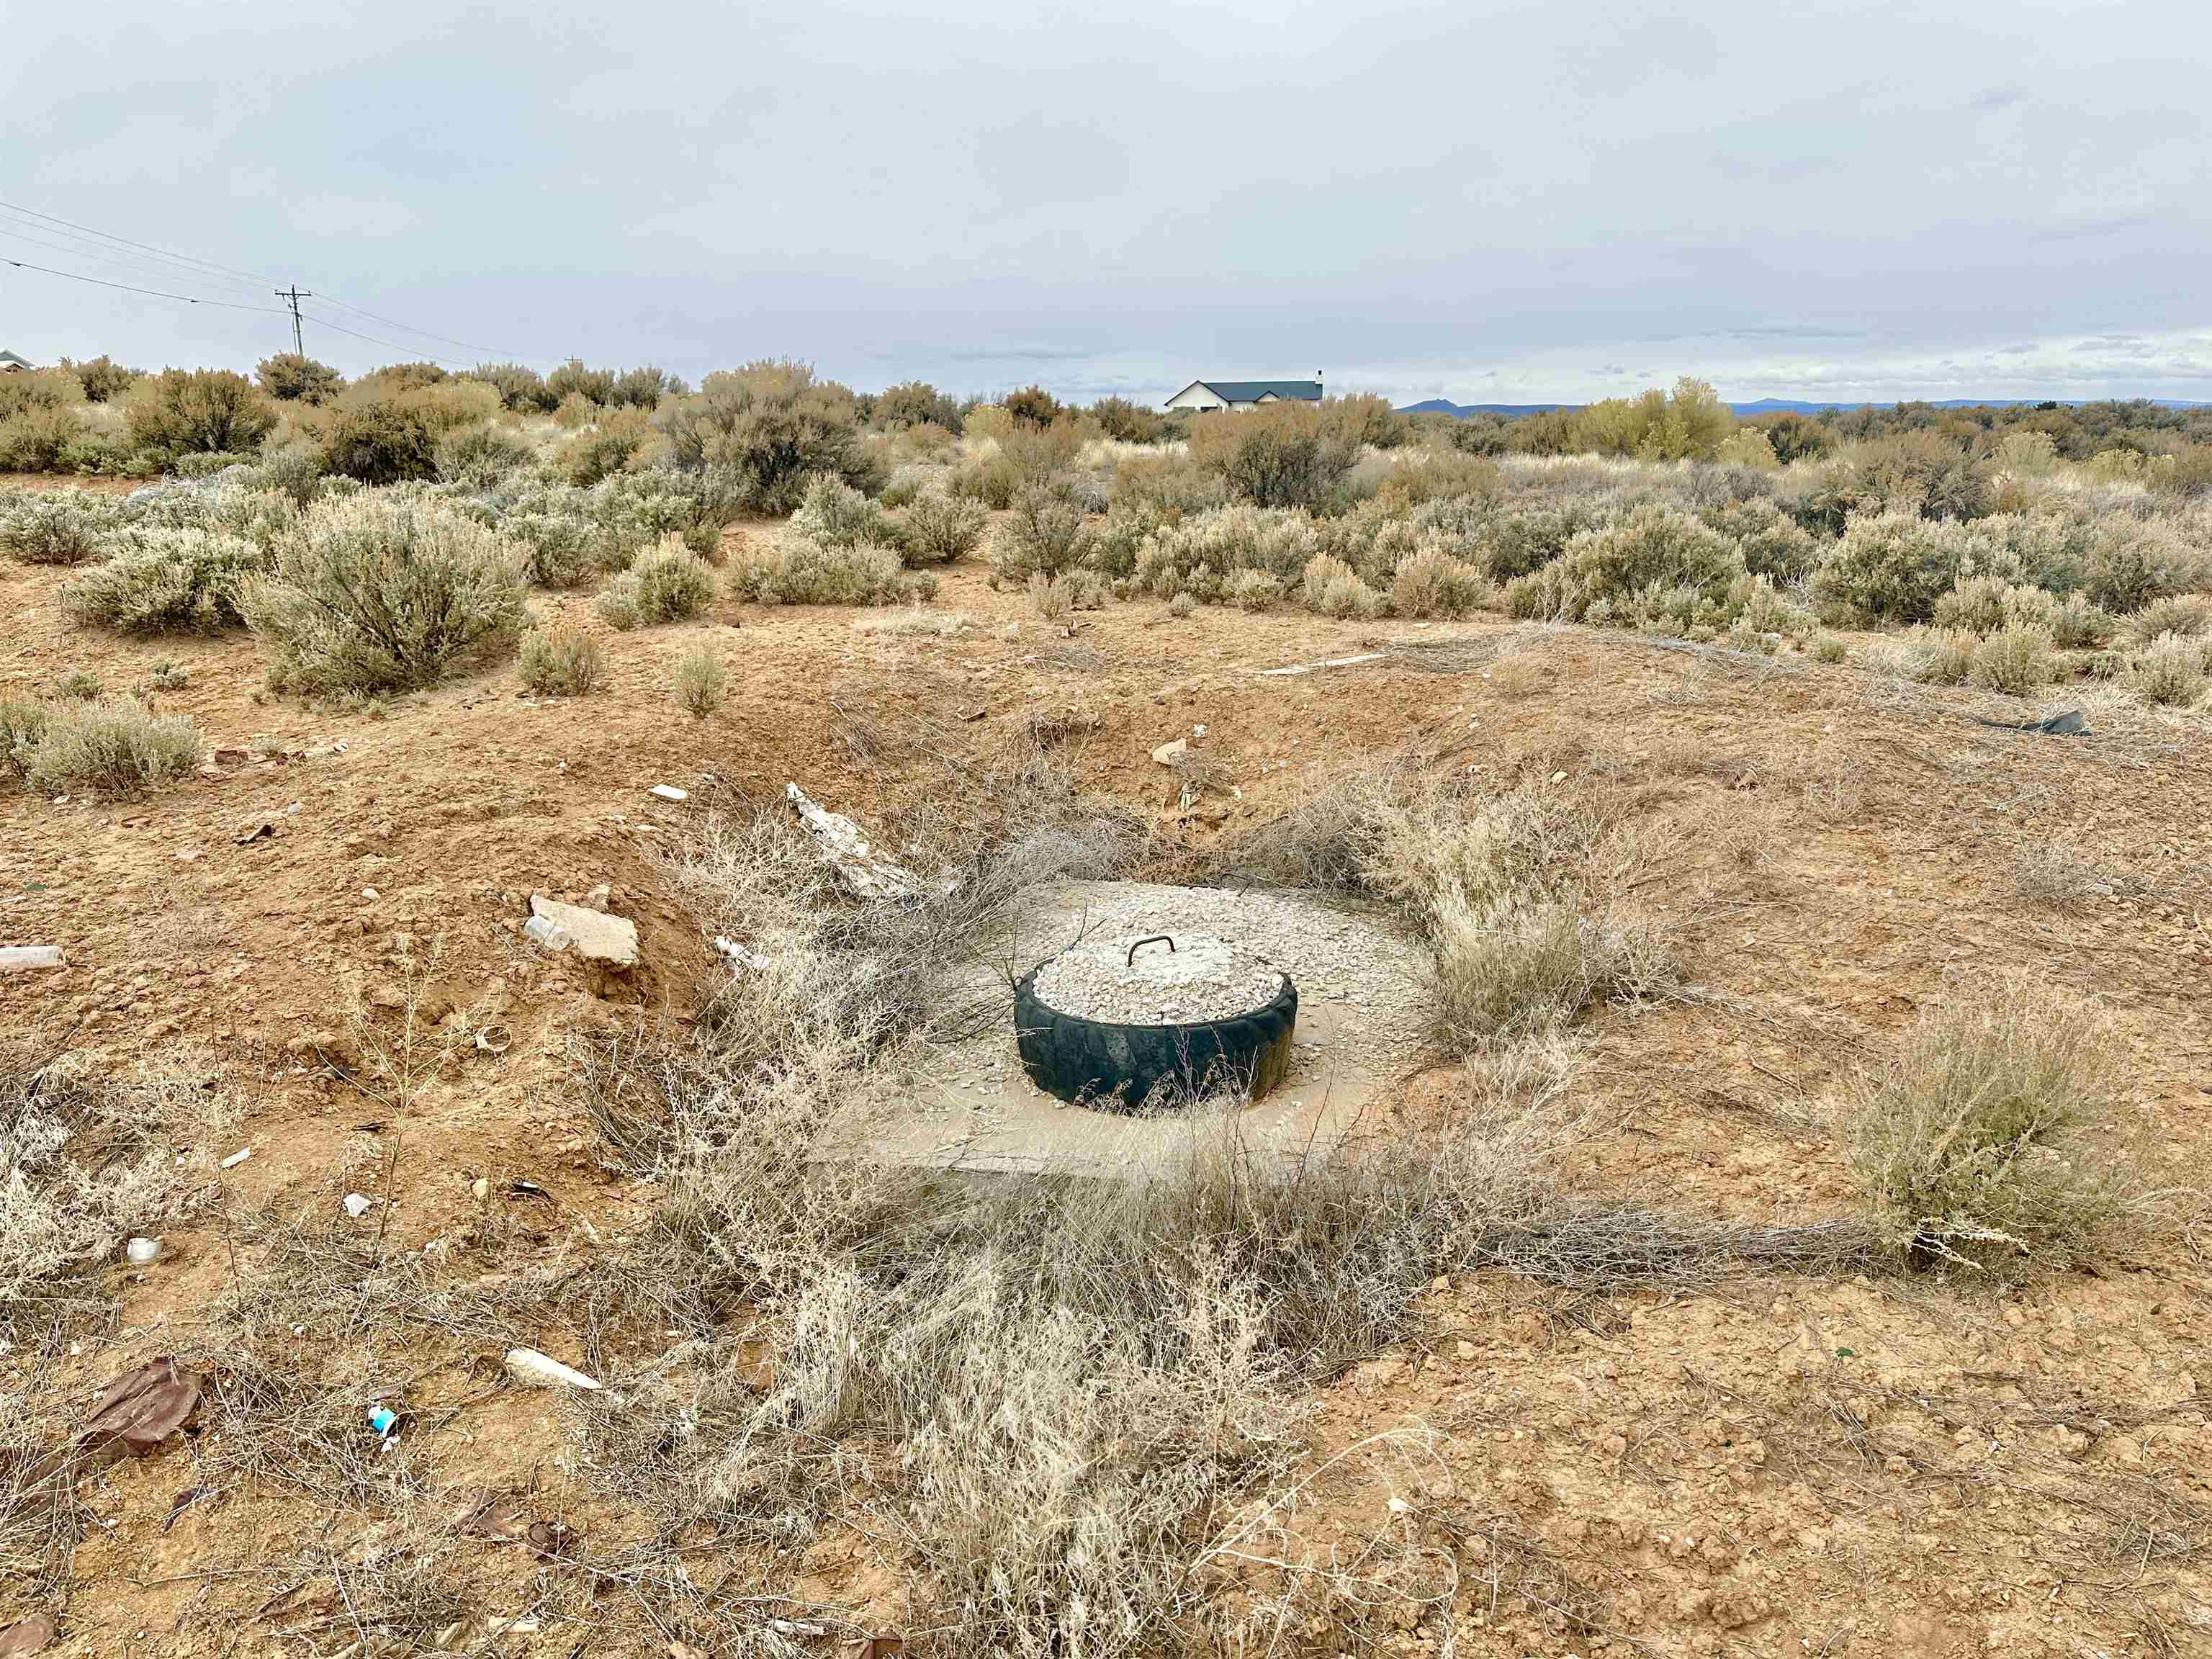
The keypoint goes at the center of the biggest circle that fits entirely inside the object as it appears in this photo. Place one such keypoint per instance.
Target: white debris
(545, 933)
(668, 792)
(357, 1204)
(16, 957)
(143, 1252)
(737, 954)
(536, 1371)
(1326, 662)
(866, 872)
(238, 1157)
(596, 936)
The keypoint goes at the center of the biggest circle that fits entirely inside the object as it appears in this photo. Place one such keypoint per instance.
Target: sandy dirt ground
(1915, 1466)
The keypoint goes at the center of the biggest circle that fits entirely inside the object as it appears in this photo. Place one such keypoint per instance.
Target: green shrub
(1046, 533)
(102, 378)
(2135, 562)
(1653, 547)
(701, 682)
(835, 514)
(1127, 421)
(939, 528)
(1284, 454)
(1891, 565)
(22, 724)
(1430, 583)
(795, 571)
(163, 579)
(1335, 589)
(478, 457)
(40, 439)
(180, 411)
(1828, 648)
(54, 527)
(2019, 659)
(1181, 605)
(643, 388)
(564, 661)
(1939, 656)
(667, 585)
(2190, 617)
(384, 591)
(606, 449)
(117, 744)
(1515, 542)
(294, 472)
(775, 426)
(572, 380)
(289, 377)
(1968, 1144)
(2171, 670)
(1237, 537)
(914, 402)
(168, 675)
(519, 387)
(78, 685)
(382, 441)
(1254, 590)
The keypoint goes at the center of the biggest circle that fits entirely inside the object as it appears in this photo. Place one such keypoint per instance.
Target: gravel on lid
(1200, 979)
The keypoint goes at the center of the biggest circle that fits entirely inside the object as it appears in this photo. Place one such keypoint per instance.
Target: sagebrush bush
(116, 744)
(1969, 1143)
(2190, 618)
(1225, 540)
(2019, 659)
(383, 590)
(835, 514)
(1183, 604)
(167, 578)
(23, 722)
(478, 457)
(793, 570)
(78, 685)
(774, 426)
(1333, 588)
(1282, 454)
(2135, 562)
(2171, 670)
(178, 412)
(1046, 533)
(53, 527)
(606, 448)
(1430, 583)
(1254, 590)
(42, 439)
(1653, 547)
(563, 660)
(670, 584)
(1892, 565)
(290, 377)
(701, 682)
(939, 526)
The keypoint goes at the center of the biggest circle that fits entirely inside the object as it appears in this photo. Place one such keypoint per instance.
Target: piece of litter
(384, 1421)
(536, 1371)
(238, 1157)
(739, 954)
(668, 792)
(357, 1206)
(16, 957)
(546, 932)
(143, 1252)
(1326, 662)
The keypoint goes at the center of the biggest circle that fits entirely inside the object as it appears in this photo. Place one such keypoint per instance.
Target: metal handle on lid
(1130, 960)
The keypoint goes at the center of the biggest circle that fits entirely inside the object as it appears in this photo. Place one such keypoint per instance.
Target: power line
(159, 294)
(404, 328)
(145, 247)
(104, 255)
(391, 345)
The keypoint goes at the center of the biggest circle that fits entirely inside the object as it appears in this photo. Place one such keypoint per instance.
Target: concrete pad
(593, 934)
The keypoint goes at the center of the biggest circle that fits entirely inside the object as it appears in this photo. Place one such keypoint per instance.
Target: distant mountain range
(1795, 405)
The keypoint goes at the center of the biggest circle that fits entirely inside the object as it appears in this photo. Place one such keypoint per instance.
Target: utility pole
(296, 294)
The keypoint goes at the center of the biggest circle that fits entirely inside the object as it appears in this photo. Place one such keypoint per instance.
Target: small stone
(668, 792)
(1169, 753)
(594, 935)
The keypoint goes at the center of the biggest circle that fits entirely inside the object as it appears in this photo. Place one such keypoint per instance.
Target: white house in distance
(1205, 396)
(11, 364)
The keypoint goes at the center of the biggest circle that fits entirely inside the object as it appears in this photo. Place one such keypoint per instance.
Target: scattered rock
(250, 833)
(594, 934)
(1169, 753)
(21, 959)
(866, 872)
(536, 1371)
(30, 1635)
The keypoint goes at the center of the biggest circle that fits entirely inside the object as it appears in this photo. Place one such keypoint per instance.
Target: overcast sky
(1552, 201)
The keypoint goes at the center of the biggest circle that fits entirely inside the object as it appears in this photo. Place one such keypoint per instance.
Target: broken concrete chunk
(866, 872)
(536, 1371)
(16, 958)
(593, 934)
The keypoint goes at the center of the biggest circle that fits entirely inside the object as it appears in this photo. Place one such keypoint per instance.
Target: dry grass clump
(942, 624)
(1970, 1143)
(563, 660)
(384, 590)
(166, 578)
(2055, 875)
(701, 681)
(671, 584)
(91, 1160)
(117, 744)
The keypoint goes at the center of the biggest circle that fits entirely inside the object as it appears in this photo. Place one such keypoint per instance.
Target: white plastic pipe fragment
(536, 1371)
(18, 958)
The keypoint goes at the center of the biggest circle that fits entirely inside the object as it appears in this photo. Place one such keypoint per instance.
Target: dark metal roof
(1250, 391)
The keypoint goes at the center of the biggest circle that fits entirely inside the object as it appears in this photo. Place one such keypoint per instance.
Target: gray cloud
(1486, 199)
